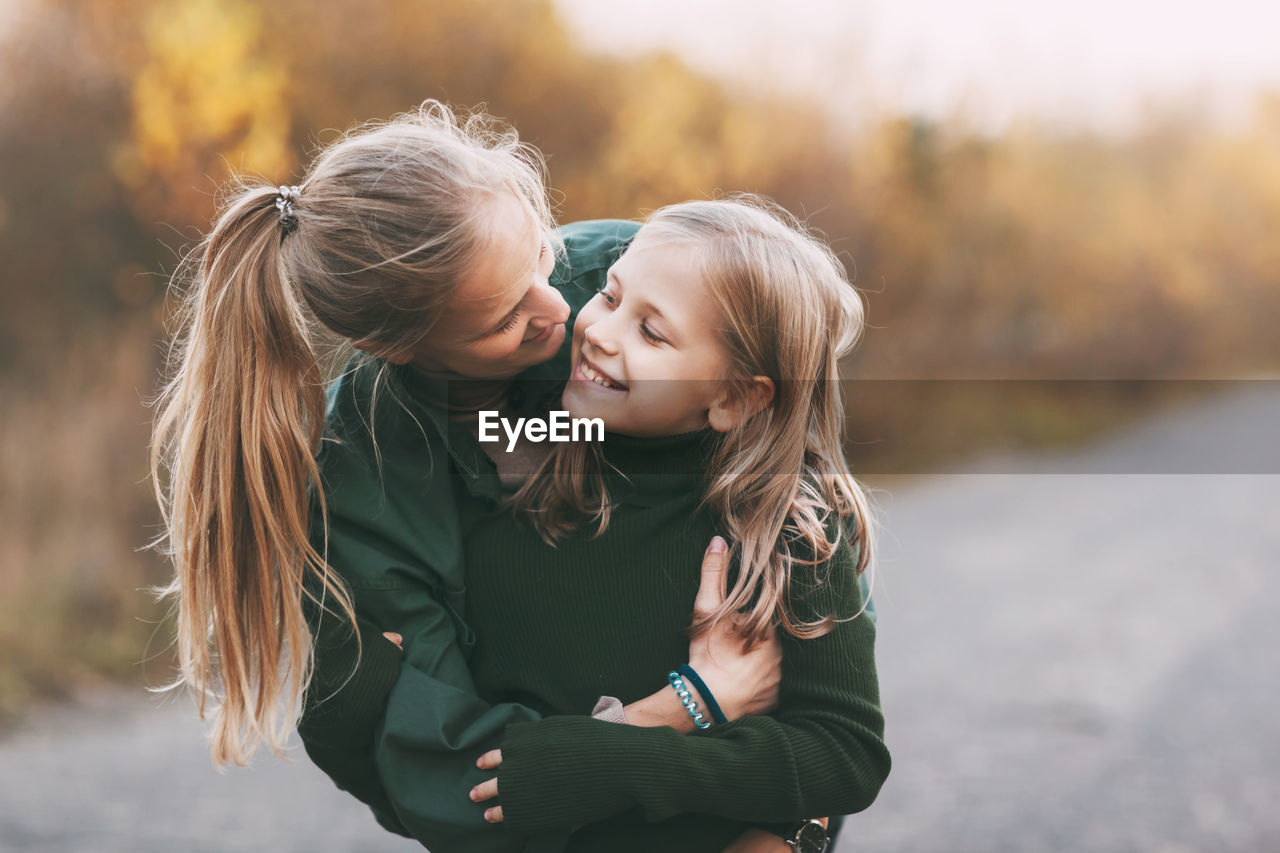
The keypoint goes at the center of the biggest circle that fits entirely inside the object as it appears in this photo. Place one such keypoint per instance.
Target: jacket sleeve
(401, 734)
(822, 752)
(434, 730)
(391, 531)
(344, 705)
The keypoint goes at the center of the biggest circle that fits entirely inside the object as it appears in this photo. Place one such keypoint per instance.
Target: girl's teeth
(596, 377)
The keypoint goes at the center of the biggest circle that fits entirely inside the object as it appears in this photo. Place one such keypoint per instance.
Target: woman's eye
(509, 325)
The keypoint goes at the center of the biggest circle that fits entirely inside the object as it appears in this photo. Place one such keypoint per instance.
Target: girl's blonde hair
(789, 313)
(387, 221)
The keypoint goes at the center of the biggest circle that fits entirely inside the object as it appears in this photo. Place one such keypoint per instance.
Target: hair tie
(284, 204)
(707, 699)
(686, 699)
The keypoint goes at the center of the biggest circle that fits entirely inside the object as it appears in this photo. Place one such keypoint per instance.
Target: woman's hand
(758, 841)
(744, 681)
(488, 789)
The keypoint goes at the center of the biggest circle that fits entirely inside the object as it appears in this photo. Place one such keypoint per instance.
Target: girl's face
(646, 356)
(504, 316)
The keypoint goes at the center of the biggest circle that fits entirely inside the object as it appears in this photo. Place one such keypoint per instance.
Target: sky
(1086, 62)
(1090, 62)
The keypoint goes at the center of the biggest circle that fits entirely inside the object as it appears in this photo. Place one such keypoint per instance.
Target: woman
(427, 244)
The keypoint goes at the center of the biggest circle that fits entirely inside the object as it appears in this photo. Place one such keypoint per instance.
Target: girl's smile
(586, 371)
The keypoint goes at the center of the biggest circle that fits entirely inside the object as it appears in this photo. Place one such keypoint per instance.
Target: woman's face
(646, 355)
(504, 316)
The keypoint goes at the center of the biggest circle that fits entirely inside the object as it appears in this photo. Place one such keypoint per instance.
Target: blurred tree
(1033, 252)
(207, 100)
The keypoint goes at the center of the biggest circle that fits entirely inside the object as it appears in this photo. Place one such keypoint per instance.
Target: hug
(658, 640)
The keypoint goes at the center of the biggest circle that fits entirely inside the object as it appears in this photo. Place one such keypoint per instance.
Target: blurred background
(1041, 192)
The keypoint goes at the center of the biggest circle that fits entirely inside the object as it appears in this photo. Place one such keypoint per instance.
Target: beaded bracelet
(707, 699)
(686, 699)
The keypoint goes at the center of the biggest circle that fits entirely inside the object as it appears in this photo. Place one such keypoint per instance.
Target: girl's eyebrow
(644, 303)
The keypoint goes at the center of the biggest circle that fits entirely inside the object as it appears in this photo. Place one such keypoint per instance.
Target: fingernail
(718, 545)
(488, 815)
(473, 795)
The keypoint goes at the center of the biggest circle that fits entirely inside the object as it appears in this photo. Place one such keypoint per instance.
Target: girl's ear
(383, 351)
(734, 407)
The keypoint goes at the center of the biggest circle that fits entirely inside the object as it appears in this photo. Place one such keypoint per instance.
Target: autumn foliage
(1029, 253)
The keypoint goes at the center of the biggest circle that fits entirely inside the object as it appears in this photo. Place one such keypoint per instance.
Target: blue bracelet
(707, 699)
(686, 699)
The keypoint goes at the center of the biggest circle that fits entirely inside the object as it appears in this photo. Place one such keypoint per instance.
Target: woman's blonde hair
(386, 222)
(778, 481)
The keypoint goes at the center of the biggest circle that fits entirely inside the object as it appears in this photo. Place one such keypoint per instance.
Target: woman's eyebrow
(506, 318)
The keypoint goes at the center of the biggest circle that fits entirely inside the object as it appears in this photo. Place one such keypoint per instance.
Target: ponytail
(388, 220)
(236, 434)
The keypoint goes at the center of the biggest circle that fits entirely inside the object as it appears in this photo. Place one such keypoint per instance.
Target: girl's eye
(509, 325)
(608, 297)
(650, 335)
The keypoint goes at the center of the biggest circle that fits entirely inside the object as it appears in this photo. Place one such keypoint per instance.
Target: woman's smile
(544, 334)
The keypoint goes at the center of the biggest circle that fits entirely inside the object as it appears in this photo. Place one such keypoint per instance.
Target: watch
(809, 837)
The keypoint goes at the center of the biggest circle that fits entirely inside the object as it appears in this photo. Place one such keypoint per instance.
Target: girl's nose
(599, 336)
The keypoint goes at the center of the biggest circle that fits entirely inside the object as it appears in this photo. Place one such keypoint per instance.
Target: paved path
(1086, 662)
(1070, 663)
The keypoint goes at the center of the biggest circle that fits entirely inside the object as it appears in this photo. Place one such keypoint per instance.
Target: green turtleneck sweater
(559, 627)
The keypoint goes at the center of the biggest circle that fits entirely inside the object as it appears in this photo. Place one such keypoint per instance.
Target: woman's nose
(549, 307)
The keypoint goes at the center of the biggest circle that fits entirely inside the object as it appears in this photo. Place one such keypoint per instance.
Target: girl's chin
(579, 404)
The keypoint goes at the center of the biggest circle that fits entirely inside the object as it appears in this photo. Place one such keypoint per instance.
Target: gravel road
(1070, 662)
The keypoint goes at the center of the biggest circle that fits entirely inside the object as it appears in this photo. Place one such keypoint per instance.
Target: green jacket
(393, 533)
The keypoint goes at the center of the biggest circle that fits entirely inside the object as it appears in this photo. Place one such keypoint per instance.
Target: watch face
(812, 838)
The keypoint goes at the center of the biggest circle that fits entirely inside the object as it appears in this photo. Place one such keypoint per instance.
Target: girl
(285, 525)
(711, 356)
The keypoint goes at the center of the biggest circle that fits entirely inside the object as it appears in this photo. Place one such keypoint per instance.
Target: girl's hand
(488, 789)
(744, 681)
(395, 638)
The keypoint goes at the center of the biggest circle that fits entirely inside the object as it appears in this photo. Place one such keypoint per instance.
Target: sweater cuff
(561, 771)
